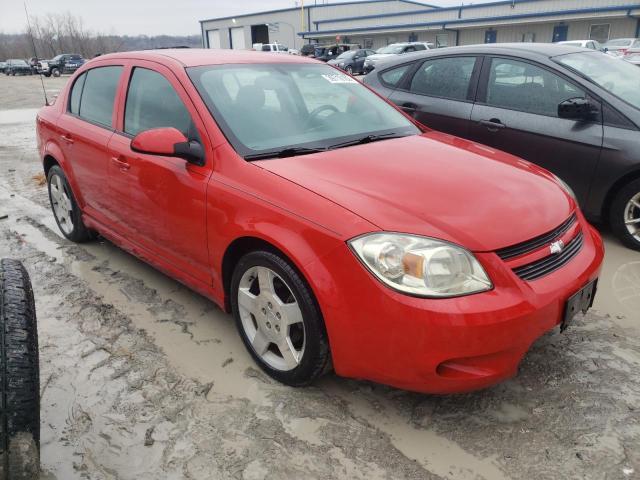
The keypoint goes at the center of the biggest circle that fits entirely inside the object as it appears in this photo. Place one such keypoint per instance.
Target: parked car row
(63, 63)
(573, 111)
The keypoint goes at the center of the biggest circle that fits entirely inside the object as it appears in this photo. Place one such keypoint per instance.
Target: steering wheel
(316, 111)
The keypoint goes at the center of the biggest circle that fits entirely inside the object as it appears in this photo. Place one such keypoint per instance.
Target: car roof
(524, 50)
(192, 57)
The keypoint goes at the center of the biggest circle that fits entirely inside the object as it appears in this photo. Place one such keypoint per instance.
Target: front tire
(278, 319)
(624, 215)
(20, 386)
(65, 208)
(55, 72)
(349, 69)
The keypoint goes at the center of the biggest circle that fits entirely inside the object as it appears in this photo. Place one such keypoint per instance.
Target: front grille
(537, 242)
(546, 265)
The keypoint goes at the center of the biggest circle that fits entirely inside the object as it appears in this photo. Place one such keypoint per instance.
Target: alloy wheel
(632, 216)
(271, 318)
(61, 203)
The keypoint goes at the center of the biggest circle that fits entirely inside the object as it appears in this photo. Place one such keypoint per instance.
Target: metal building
(376, 23)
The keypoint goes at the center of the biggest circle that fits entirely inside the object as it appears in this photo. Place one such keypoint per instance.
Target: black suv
(63, 63)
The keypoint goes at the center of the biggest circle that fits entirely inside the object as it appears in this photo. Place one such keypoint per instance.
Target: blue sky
(150, 17)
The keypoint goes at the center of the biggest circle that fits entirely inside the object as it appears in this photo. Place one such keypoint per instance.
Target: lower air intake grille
(546, 265)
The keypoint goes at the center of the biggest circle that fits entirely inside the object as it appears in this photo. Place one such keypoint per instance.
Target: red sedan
(335, 229)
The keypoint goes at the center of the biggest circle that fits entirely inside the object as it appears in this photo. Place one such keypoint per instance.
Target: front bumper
(443, 345)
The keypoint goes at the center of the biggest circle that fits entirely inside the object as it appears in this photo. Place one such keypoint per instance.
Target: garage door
(237, 38)
(213, 37)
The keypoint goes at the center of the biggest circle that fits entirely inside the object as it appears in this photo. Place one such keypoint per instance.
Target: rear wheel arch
(48, 162)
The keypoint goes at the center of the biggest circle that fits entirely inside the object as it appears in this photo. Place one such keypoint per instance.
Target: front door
(161, 199)
(560, 33)
(517, 111)
(491, 36)
(440, 94)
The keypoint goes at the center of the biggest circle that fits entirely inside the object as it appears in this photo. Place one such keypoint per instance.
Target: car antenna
(35, 53)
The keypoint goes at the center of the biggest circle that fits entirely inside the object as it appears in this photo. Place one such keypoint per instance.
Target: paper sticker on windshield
(338, 78)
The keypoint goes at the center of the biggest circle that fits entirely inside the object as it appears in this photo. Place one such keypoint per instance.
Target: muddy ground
(143, 379)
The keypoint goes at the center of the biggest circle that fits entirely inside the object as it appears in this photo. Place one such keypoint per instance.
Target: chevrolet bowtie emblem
(556, 247)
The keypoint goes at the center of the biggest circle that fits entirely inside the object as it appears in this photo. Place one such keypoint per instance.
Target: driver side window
(528, 88)
(152, 102)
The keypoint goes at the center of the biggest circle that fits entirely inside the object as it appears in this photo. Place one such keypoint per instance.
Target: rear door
(440, 92)
(517, 111)
(85, 129)
(161, 199)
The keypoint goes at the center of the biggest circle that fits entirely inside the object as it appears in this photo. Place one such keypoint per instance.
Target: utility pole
(302, 16)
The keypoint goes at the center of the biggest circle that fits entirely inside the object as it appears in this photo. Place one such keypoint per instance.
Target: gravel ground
(144, 379)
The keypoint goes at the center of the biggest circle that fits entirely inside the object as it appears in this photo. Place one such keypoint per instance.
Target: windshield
(622, 79)
(57, 57)
(263, 108)
(394, 49)
(572, 44)
(18, 62)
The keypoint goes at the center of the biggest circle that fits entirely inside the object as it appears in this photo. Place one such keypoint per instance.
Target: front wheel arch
(613, 191)
(236, 250)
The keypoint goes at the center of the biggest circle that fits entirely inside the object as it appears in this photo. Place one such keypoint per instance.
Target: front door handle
(66, 138)
(493, 125)
(121, 163)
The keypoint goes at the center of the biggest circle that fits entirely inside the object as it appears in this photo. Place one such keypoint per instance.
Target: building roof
(332, 4)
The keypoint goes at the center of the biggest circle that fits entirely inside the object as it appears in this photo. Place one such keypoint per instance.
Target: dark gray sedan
(573, 111)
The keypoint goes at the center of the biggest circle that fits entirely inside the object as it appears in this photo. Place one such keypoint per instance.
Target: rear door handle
(122, 164)
(67, 138)
(411, 107)
(493, 125)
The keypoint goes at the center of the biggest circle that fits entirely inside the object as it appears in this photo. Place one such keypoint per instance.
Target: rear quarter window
(76, 93)
(392, 77)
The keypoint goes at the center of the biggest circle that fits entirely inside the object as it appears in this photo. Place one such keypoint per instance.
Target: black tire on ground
(80, 233)
(349, 70)
(20, 424)
(617, 214)
(47, 75)
(316, 359)
(55, 72)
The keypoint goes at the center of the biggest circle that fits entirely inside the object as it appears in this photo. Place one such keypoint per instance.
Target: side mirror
(168, 142)
(576, 109)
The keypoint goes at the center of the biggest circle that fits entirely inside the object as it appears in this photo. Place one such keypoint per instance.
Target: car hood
(435, 185)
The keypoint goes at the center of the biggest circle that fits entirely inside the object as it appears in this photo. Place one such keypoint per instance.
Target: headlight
(421, 266)
(565, 187)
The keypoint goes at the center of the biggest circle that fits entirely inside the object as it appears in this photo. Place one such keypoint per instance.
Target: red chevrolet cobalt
(337, 231)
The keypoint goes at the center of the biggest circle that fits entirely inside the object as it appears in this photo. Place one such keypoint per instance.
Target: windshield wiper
(368, 139)
(285, 152)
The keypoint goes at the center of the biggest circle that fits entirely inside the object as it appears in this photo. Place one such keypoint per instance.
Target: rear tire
(626, 208)
(20, 378)
(306, 336)
(65, 208)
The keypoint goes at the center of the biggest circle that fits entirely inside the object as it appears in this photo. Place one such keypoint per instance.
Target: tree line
(56, 33)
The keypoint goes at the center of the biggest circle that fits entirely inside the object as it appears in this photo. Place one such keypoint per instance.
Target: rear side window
(76, 93)
(153, 103)
(444, 77)
(393, 76)
(98, 94)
